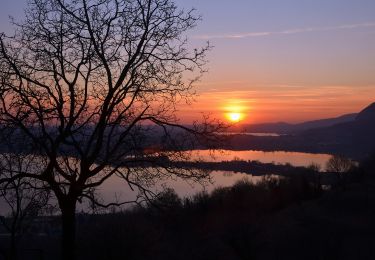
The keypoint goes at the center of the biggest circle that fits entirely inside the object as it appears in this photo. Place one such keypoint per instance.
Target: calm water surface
(253, 134)
(116, 189)
(294, 158)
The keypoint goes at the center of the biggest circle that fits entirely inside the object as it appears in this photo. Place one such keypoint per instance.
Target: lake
(116, 188)
(279, 157)
(250, 133)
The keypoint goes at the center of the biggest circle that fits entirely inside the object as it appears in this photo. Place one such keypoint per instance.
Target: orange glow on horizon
(268, 104)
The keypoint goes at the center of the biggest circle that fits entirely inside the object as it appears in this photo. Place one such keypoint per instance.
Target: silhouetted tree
(340, 166)
(23, 199)
(90, 84)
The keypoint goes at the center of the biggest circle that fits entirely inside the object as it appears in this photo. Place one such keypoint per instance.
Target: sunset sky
(278, 60)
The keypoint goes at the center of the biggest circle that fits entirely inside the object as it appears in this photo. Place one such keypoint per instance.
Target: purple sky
(274, 60)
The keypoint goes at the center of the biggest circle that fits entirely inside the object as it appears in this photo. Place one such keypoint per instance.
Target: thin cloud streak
(286, 32)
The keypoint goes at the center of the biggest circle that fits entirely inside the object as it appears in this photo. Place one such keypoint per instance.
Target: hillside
(354, 138)
(287, 128)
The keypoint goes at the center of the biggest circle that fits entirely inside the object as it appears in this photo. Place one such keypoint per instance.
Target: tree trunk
(13, 249)
(68, 210)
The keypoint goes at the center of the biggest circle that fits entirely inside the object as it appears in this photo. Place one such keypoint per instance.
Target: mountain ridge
(352, 135)
(288, 128)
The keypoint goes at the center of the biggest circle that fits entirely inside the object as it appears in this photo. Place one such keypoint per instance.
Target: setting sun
(234, 117)
(119, 119)
(235, 110)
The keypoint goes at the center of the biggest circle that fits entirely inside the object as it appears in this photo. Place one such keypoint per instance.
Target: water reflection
(250, 133)
(279, 157)
(116, 188)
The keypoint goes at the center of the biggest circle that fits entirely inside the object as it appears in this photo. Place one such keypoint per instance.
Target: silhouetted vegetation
(235, 223)
(96, 79)
(24, 200)
(89, 90)
(287, 217)
(257, 168)
(206, 226)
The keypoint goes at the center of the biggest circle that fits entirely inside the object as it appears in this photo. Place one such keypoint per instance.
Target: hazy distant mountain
(351, 135)
(286, 128)
(279, 127)
(354, 137)
(362, 125)
(325, 122)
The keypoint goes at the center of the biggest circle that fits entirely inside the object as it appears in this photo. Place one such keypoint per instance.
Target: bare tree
(339, 164)
(23, 199)
(91, 84)
(341, 167)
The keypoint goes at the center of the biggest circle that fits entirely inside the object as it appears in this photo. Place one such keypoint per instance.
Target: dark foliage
(220, 225)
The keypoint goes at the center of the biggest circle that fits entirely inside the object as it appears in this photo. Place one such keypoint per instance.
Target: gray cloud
(285, 32)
